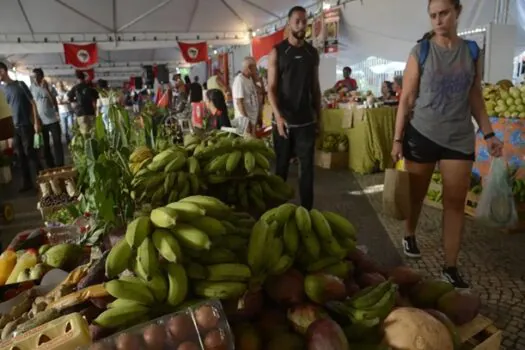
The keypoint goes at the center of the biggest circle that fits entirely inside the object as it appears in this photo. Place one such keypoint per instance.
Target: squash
(409, 328)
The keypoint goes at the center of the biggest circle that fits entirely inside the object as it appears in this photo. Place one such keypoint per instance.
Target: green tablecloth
(370, 135)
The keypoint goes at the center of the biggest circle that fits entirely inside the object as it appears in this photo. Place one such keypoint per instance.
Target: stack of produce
(237, 171)
(333, 142)
(164, 177)
(505, 100)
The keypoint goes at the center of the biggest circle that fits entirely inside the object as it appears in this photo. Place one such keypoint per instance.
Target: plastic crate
(201, 326)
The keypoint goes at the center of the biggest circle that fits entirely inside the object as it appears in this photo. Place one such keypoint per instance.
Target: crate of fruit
(201, 326)
(62, 172)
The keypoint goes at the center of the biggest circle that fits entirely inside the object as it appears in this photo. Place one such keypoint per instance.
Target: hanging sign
(331, 30)
(318, 32)
(263, 45)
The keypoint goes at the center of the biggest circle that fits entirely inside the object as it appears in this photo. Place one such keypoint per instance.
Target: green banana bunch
(138, 292)
(167, 245)
(118, 258)
(121, 314)
(177, 284)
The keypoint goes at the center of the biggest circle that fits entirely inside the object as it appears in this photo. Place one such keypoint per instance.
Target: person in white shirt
(245, 98)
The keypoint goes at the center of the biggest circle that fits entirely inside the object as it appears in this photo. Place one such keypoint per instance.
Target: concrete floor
(492, 261)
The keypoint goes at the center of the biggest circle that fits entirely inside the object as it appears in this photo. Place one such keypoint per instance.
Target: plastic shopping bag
(37, 141)
(396, 194)
(496, 206)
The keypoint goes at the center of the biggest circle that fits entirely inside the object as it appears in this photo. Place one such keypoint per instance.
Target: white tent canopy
(132, 32)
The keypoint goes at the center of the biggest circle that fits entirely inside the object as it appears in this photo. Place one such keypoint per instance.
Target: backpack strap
(473, 48)
(423, 52)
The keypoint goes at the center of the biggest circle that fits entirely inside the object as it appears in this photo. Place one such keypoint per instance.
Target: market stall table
(370, 135)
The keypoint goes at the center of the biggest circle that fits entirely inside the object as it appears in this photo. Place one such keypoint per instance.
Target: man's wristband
(489, 135)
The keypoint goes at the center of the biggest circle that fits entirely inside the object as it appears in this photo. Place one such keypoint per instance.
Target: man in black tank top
(295, 97)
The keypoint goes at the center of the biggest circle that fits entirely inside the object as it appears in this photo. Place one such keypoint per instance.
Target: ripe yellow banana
(167, 245)
(118, 259)
(129, 290)
(177, 284)
(137, 230)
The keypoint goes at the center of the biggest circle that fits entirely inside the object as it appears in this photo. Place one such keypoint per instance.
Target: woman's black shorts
(420, 149)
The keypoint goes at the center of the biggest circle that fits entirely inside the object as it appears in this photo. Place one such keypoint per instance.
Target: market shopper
(65, 112)
(84, 97)
(46, 102)
(218, 111)
(26, 123)
(349, 83)
(440, 129)
(244, 93)
(295, 97)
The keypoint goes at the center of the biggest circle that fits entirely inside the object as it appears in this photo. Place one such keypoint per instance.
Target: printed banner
(331, 29)
(89, 74)
(81, 56)
(194, 52)
(262, 46)
(318, 32)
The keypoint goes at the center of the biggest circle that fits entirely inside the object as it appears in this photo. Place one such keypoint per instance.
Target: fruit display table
(370, 135)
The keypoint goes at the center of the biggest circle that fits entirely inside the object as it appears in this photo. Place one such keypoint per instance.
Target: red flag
(194, 52)
(81, 56)
(262, 46)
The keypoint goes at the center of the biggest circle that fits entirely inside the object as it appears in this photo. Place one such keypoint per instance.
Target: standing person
(104, 101)
(65, 111)
(398, 86)
(47, 106)
(216, 105)
(439, 105)
(244, 93)
(85, 99)
(295, 97)
(187, 83)
(195, 91)
(26, 123)
(347, 82)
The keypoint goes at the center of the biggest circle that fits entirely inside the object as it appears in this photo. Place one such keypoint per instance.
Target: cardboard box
(331, 160)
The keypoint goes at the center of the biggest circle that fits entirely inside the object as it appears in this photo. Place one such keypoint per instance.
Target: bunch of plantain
(139, 158)
(165, 177)
(313, 241)
(361, 315)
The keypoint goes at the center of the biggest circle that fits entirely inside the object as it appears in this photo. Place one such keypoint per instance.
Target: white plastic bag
(241, 124)
(496, 206)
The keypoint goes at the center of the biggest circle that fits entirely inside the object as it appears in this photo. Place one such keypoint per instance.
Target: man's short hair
(3, 66)
(80, 75)
(38, 71)
(296, 9)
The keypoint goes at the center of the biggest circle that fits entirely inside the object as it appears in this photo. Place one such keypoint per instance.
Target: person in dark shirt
(26, 123)
(295, 97)
(216, 105)
(195, 91)
(84, 97)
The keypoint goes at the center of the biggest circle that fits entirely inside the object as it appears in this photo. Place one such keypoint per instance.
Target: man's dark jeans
(300, 143)
(24, 146)
(56, 135)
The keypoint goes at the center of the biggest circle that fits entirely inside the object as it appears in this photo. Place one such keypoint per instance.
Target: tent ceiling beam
(104, 66)
(24, 13)
(260, 8)
(83, 15)
(196, 4)
(144, 15)
(233, 12)
(114, 5)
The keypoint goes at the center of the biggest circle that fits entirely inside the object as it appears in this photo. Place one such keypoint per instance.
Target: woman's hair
(430, 34)
(216, 97)
(187, 80)
(398, 79)
(389, 86)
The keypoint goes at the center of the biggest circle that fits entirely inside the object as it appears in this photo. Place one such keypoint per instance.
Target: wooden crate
(64, 172)
(480, 334)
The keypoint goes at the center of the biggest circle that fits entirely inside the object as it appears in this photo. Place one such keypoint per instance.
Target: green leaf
(100, 129)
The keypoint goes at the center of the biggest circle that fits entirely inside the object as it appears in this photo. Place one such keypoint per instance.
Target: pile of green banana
(191, 247)
(165, 177)
(435, 195)
(312, 240)
(363, 313)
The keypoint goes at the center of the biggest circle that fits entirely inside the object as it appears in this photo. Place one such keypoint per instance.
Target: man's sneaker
(410, 248)
(452, 276)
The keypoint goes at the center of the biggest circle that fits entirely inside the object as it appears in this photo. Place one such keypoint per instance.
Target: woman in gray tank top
(442, 86)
